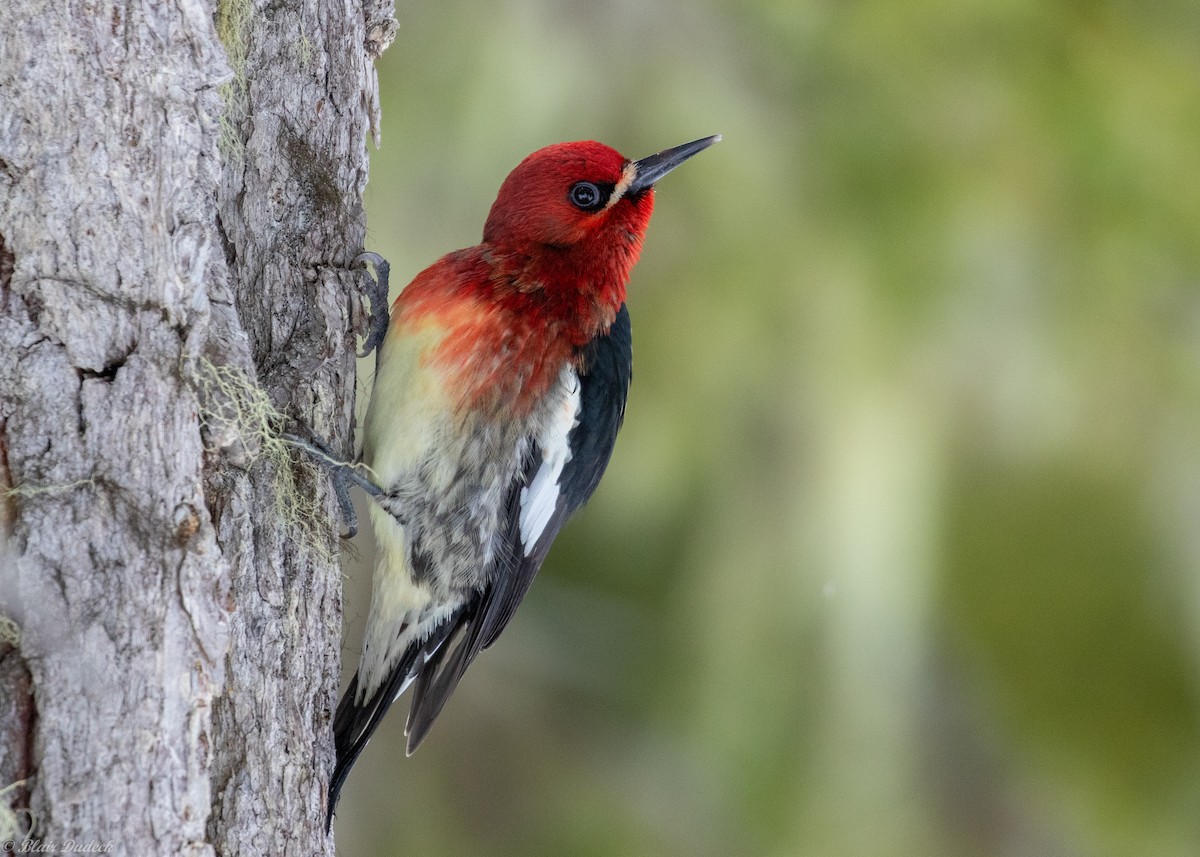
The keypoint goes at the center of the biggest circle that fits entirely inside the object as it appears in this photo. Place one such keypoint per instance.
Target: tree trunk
(180, 205)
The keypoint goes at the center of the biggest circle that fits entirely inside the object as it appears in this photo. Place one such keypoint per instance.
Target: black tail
(355, 722)
(437, 663)
(341, 768)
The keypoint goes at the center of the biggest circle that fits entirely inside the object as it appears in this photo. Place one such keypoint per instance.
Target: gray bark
(171, 688)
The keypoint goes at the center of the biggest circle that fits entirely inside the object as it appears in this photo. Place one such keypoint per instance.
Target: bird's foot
(377, 295)
(343, 474)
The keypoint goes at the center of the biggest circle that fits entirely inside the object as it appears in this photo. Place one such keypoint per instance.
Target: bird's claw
(342, 474)
(377, 294)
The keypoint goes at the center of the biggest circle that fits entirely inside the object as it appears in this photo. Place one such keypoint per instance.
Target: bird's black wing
(607, 369)
(604, 377)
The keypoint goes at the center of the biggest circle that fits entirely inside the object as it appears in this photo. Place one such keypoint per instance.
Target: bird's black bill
(651, 169)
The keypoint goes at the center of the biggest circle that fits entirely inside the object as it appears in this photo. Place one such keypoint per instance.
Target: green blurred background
(899, 552)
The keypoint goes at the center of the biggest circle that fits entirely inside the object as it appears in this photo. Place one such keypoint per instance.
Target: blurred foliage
(899, 553)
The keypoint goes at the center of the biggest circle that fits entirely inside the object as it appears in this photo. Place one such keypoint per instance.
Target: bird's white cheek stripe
(540, 497)
(627, 176)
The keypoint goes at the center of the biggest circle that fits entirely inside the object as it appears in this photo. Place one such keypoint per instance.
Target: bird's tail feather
(474, 627)
(356, 721)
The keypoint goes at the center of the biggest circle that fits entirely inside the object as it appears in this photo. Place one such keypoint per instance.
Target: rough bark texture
(172, 685)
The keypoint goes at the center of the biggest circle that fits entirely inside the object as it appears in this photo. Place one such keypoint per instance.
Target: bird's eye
(587, 196)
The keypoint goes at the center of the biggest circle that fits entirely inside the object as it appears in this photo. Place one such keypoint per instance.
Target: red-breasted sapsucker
(500, 388)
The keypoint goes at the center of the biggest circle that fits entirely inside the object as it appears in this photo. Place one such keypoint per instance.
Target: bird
(500, 387)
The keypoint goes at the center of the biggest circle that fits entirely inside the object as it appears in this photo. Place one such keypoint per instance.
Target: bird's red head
(566, 194)
(576, 214)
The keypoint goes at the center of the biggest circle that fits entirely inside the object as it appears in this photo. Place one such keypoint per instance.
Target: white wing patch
(540, 497)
